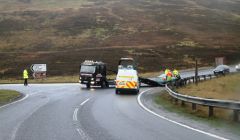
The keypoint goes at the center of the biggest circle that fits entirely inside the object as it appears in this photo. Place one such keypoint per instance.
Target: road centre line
(82, 134)
(75, 114)
(85, 101)
(172, 121)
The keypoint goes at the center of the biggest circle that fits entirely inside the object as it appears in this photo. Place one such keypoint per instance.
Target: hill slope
(63, 33)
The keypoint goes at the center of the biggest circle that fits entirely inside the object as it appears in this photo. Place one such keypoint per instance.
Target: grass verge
(200, 114)
(226, 88)
(7, 96)
(53, 79)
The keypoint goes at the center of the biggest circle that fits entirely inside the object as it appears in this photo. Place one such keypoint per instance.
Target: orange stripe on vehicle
(129, 85)
(132, 84)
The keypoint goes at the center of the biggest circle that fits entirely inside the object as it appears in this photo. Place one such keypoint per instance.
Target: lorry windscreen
(87, 69)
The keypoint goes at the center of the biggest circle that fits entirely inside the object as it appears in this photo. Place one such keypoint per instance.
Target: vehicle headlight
(236, 67)
(92, 79)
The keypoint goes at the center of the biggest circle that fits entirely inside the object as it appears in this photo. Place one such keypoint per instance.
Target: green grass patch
(50, 79)
(199, 115)
(7, 96)
(226, 88)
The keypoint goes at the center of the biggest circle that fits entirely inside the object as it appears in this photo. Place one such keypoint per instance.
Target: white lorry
(127, 80)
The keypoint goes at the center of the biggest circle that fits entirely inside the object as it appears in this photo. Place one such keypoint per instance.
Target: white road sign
(39, 67)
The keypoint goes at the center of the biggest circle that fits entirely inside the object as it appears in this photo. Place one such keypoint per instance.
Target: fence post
(176, 101)
(235, 115)
(182, 103)
(196, 71)
(194, 106)
(210, 111)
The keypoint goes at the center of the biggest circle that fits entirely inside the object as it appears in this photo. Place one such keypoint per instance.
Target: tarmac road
(68, 112)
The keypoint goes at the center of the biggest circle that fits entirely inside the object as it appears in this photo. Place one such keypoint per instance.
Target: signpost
(220, 60)
(39, 71)
(196, 71)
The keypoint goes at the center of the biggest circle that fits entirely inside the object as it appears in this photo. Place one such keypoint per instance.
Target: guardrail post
(235, 115)
(194, 106)
(210, 76)
(210, 111)
(182, 103)
(176, 101)
(204, 76)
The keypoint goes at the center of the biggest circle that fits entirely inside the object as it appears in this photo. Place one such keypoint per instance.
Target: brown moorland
(157, 33)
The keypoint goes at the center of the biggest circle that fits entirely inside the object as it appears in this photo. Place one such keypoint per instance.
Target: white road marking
(13, 136)
(85, 101)
(76, 110)
(75, 114)
(25, 97)
(79, 130)
(172, 121)
(82, 134)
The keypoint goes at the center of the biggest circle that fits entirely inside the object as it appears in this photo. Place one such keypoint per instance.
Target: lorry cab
(93, 73)
(127, 80)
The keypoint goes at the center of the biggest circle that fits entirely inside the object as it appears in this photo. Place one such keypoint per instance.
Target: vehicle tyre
(103, 84)
(137, 91)
(88, 85)
(107, 85)
(117, 92)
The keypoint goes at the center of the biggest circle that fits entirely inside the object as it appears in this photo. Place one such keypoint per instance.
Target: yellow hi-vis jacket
(166, 71)
(175, 73)
(25, 74)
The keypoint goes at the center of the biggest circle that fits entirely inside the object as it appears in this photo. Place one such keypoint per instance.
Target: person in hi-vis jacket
(25, 77)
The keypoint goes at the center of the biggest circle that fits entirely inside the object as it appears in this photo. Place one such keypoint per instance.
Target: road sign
(39, 71)
(39, 67)
(39, 75)
(220, 60)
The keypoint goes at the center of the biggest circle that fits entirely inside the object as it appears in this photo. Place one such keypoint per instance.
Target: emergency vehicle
(93, 73)
(127, 80)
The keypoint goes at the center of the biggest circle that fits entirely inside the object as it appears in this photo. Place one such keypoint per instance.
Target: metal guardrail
(211, 103)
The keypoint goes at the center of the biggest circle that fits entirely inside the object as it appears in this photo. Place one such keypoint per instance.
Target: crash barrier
(194, 79)
(211, 103)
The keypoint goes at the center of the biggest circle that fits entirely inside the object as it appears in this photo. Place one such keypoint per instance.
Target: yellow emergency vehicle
(127, 80)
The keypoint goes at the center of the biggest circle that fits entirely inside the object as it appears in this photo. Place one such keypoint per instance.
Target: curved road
(68, 112)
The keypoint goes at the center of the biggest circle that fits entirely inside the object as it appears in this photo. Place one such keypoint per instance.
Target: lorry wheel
(103, 84)
(107, 85)
(88, 85)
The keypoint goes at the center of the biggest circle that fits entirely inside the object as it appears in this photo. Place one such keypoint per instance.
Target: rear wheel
(88, 85)
(137, 91)
(104, 84)
(107, 85)
(117, 92)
